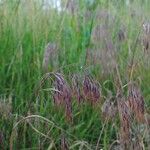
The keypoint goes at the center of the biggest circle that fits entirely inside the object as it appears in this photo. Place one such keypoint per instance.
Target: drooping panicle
(136, 102)
(91, 90)
(63, 96)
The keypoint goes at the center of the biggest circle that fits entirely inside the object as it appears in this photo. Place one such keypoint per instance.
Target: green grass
(25, 29)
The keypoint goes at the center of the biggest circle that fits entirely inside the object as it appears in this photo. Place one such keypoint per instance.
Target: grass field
(75, 77)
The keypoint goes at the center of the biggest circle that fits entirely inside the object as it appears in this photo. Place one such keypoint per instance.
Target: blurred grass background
(26, 26)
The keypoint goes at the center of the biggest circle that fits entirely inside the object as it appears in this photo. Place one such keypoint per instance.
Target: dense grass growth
(106, 41)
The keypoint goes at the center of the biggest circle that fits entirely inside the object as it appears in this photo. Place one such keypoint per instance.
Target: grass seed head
(76, 89)
(63, 96)
(91, 90)
(136, 102)
(125, 120)
(58, 94)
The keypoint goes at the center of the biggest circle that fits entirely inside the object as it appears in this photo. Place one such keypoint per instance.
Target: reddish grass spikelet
(76, 89)
(95, 92)
(125, 121)
(59, 85)
(136, 102)
(62, 95)
(91, 90)
(87, 88)
(68, 106)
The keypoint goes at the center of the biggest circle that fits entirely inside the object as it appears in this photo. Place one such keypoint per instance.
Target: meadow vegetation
(76, 77)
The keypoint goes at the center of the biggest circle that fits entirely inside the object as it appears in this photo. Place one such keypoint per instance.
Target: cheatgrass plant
(59, 60)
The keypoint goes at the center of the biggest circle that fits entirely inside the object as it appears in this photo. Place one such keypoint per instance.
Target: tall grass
(101, 41)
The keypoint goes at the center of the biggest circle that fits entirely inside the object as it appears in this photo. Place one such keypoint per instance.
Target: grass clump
(75, 76)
